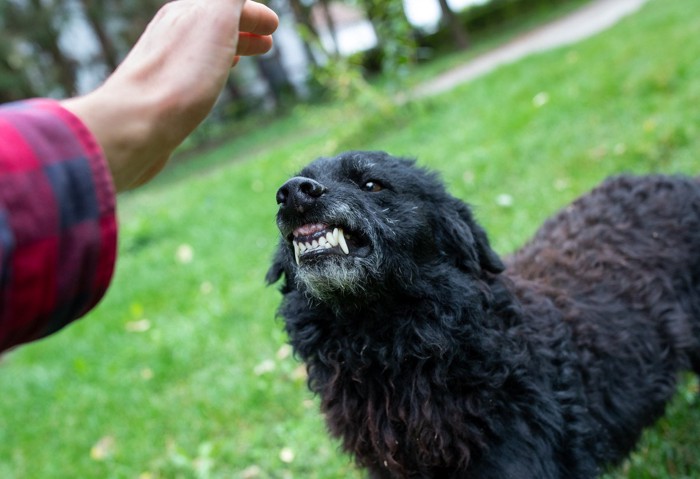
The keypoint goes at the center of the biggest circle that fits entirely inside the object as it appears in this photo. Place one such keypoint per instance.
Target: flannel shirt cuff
(58, 227)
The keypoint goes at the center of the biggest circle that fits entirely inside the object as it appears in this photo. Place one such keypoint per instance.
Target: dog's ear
(277, 270)
(460, 236)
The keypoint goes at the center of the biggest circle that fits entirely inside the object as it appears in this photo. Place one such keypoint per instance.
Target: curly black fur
(434, 359)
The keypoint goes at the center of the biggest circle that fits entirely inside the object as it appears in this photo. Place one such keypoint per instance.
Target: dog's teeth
(342, 243)
(330, 240)
(296, 251)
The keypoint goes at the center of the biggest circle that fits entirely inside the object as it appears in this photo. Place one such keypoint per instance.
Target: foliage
(183, 372)
(394, 32)
(14, 83)
(31, 37)
(34, 58)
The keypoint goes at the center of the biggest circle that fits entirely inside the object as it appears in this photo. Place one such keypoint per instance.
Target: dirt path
(590, 19)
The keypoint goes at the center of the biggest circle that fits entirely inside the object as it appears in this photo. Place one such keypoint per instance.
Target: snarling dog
(433, 358)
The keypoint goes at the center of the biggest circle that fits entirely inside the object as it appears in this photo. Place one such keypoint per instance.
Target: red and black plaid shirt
(58, 227)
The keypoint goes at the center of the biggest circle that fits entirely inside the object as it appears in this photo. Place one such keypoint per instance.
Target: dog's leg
(516, 458)
(527, 458)
(691, 304)
(378, 474)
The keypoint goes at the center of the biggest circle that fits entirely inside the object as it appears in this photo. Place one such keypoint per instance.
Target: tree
(133, 16)
(96, 15)
(273, 73)
(457, 30)
(14, 83)
(38, 24)
(394, 33)
(306, 29)
(325, 9)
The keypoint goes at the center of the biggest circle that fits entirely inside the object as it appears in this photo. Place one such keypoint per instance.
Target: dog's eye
(372, 186)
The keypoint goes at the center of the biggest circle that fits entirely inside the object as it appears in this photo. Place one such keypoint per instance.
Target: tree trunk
(47, 41)
(302, 15)
(272, 71)
(332, 30)
(65, 66)
(233, 89)
(95, 16)
(457, 30)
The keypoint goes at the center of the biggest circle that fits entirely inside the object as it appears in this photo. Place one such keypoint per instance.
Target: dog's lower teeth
(330, 240)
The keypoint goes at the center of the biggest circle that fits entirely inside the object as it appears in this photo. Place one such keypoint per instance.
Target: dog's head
(361, 222)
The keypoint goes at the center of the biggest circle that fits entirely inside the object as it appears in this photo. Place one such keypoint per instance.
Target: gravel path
(590, 19)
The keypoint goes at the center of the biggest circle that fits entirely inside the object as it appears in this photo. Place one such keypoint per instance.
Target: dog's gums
(318, 238)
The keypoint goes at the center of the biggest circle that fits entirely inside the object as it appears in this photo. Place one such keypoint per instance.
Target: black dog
(433, 359)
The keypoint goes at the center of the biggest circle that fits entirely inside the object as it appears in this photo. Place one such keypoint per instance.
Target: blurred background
(61, 48)
(183, 370)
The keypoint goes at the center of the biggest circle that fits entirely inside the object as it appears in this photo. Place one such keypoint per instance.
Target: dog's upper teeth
(336, 233)
(330, 240)
(342, 243)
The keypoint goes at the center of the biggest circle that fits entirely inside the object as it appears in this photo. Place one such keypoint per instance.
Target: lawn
(183, 370)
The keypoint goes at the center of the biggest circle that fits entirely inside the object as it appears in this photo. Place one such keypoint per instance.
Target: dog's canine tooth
(331, 239)
(296, 251)
(335, 235)
(342, 243)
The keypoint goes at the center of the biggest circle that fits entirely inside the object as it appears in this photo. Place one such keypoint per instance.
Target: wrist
(126, 127)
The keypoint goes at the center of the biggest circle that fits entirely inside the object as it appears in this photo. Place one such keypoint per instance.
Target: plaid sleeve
(58, 228)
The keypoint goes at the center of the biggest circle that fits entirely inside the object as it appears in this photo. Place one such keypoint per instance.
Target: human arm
(120, 136)
(57, 221)
(169, 82)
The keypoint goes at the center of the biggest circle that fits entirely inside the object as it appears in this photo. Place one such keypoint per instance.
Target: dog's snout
(299, 192)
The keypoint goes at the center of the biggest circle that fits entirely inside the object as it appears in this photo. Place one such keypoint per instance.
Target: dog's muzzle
(296, 198)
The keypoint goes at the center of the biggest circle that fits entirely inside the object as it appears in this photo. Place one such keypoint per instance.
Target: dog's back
(622, 263)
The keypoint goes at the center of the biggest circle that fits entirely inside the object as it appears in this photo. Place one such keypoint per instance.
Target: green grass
(182, 371)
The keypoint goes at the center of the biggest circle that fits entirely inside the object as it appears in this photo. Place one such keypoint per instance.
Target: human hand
(169, 81)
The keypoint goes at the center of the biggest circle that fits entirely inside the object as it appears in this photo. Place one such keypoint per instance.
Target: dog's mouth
(312, 241)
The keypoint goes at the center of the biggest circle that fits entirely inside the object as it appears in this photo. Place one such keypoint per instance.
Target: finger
(259, 19)
(235, 61)
(252, 44)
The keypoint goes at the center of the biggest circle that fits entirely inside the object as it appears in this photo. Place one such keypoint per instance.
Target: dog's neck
(403, 352)
(443, 322)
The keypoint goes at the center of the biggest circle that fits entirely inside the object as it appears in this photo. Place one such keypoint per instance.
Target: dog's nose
(300, 192)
